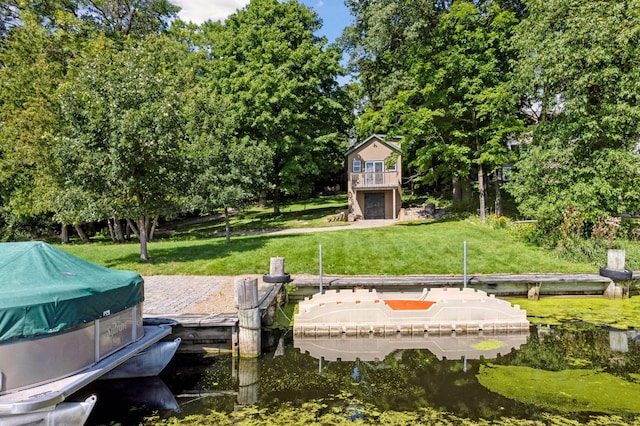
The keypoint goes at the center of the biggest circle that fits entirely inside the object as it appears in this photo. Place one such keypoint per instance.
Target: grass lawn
(306, 214)
(405, 248)
(421, 247)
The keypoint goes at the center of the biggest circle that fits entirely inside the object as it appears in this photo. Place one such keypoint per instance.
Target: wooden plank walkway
(502, 285)
(216, 330)
(177, 298)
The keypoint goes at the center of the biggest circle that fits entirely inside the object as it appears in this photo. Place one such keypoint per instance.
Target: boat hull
(147, 363)
(47, 359)
(48, 395)
(66, 413)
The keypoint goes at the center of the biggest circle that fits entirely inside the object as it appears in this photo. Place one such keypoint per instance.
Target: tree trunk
(112, 232)
(262, 202)
(227, 225)
(482, 189)
(277, 190)
(461, 190)
(498, 197)
(483, 192)
(147, 227)
(64, 234)
(154, 225)
(117, 227)
(457, 196)
(81, 234)
(276, 200)
(133, 228)
(143, 224)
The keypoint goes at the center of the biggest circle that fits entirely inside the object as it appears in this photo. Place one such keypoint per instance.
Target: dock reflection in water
(443, 346)
(405, 373)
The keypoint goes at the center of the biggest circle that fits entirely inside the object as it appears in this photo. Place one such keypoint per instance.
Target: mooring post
(249, 327)
(276, 266)
(320, 254)
(464, 261)
(616, 260)
(616, 264)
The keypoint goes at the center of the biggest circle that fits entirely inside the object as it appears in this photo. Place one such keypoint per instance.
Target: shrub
(498, 222)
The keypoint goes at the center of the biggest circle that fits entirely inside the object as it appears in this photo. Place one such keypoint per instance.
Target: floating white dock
(435, 310)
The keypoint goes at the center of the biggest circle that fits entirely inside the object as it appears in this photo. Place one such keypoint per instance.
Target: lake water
(575, 370)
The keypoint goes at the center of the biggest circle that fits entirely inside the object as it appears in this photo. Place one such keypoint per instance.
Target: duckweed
(569, 391)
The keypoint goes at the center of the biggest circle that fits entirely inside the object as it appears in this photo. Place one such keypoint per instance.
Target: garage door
(374, 205)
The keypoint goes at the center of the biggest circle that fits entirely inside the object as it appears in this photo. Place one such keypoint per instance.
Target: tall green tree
(381, 44)
(33, 62)
(123, 140)
(455, 105)
(38, 44)
(578, 71)
(468, 81)
(228, 173)
(281, 81)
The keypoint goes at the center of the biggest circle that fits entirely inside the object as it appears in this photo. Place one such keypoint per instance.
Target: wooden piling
(276, 266)
(249, 326)
(616, 260)
(534, 291)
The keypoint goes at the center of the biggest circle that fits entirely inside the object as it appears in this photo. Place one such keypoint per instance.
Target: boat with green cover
(65, 322)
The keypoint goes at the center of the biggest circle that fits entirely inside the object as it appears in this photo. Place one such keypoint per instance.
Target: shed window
(357, 166)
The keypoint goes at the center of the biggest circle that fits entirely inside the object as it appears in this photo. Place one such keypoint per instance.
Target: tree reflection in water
(410, 379)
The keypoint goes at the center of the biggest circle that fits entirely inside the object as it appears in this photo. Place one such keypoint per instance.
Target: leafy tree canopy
(447, 88)
(124, 127)
(578, 73)
(280, 79)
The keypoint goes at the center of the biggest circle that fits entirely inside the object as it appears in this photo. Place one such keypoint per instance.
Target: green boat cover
(44, 290)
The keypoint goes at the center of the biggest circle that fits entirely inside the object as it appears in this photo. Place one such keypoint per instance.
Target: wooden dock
(217, 332)
(213, 332)
(501, 285)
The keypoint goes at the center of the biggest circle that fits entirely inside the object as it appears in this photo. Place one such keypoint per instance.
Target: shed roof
(393, 143)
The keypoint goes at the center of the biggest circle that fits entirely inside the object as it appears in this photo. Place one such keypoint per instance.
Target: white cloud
(198, 11)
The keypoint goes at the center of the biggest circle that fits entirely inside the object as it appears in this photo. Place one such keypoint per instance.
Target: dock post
(618, 289)
(276, 266)
(616, 260)
(246, 293)
(533, 292)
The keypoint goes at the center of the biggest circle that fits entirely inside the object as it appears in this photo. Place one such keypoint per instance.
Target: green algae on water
(600, 311)
(489, 344)
(568, 391)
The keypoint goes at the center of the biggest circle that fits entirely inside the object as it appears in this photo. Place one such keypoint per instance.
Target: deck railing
(374, 180)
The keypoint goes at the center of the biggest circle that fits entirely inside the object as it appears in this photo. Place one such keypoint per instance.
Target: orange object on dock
(409, 305)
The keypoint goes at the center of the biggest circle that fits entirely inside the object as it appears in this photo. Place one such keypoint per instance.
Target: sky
(334, 14)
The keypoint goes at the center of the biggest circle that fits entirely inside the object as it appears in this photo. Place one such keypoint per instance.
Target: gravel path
(189, 294)
(178, 294)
